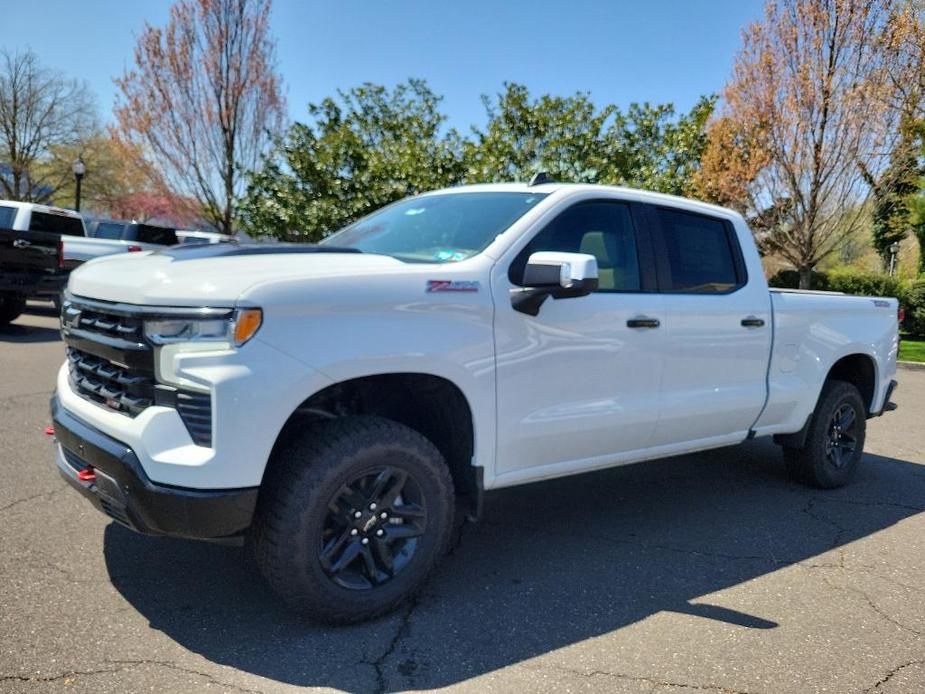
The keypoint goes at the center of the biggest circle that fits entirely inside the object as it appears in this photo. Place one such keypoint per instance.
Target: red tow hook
(49, 431)
(87, 474)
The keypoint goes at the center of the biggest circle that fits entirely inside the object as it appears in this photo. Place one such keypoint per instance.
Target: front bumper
(51, 286)
(124, 492)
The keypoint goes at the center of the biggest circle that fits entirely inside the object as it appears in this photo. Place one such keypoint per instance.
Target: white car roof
(41, 208)
(647, 196)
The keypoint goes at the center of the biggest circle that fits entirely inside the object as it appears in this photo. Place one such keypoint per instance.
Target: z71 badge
(452, 285)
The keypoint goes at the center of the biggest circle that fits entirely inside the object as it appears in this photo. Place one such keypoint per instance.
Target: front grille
(110, 384)
(116, 325)
(112, 364)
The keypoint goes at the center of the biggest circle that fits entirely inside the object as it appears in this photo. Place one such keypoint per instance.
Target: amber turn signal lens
(247, 324)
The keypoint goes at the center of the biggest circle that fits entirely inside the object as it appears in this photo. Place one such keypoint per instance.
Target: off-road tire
(812, 465)
(11, 307)
(303, 479)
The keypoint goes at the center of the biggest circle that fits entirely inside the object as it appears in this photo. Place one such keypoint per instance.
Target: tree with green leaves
(915, 205)
(364, 149)
(891, 189)
(563, 136)
(574, 141)
(371, 146)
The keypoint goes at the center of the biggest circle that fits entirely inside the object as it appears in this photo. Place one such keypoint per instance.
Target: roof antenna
(539, 178)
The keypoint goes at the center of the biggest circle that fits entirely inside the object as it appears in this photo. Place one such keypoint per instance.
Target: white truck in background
(334, 403)
(78, 247)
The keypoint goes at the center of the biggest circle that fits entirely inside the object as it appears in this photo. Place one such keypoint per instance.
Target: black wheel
(353, 516)
(11, 306)
(835, 441)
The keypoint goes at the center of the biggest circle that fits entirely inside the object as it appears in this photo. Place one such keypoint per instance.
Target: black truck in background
(31, 263)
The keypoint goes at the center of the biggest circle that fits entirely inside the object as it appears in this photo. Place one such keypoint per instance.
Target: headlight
(237, 329)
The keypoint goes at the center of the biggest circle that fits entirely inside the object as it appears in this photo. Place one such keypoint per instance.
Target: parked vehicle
(29, 216)
(191, 236)
(136, 236)
(31, 262)
(336, 402)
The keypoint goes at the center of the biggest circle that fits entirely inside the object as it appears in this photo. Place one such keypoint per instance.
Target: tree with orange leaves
(809, 108)
(204, 99)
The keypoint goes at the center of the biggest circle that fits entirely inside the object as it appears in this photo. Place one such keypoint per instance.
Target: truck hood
(215, 275)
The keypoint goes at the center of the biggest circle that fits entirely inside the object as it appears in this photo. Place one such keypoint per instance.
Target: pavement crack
(840, 530)
(404, 628)
(187, 670)
(892, 673)
(656, 682)
(878, 504)
(875, 607)
(33, 497)
(70, 674)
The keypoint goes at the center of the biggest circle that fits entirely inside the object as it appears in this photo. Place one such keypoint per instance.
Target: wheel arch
(432, 405)
(858, 369)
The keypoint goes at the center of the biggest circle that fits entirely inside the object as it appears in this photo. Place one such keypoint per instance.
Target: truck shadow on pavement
(25, 334)
(552, 564)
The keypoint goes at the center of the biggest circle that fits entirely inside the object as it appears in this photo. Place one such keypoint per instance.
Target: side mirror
(559, 275)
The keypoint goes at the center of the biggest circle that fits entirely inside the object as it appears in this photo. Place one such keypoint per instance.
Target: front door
(578, 385)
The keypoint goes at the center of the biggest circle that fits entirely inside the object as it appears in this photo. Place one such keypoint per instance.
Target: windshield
(436, 228)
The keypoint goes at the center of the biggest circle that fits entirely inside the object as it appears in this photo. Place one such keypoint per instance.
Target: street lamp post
(79, 170)
(894, 249)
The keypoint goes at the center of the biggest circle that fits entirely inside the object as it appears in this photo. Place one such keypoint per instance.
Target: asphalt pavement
(708, 572)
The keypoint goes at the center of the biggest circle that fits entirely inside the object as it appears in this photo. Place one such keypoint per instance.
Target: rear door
(717, 329)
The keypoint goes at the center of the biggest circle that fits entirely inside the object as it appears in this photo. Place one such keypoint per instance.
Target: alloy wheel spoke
(405, 530)
(332, 548)
(383, 555)
(387, 499)
(351, 552)
(351, 496)
(408, 512)
(846, 419)
(369, 564)
(383, 482)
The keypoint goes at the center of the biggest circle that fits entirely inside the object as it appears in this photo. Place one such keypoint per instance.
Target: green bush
(913, 301)
(911, 294)
(790, 279)
(864, 283)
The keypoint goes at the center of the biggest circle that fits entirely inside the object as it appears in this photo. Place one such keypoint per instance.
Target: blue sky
(650, 50)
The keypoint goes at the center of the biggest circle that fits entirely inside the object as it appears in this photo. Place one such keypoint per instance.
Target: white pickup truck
(78, 247)
(335, 403)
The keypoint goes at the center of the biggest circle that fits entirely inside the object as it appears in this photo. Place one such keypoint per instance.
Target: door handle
(752, 322)
(642, 322)
(21, 243)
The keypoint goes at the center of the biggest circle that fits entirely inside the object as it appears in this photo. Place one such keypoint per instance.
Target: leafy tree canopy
(371, 146)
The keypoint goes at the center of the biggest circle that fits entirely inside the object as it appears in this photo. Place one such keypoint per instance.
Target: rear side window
(145, 233)
(699, 255)
(109, 230)
(7, 215)
(56, 224)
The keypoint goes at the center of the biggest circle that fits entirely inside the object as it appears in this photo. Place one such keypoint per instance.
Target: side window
(7, 215)
(109, 230)
(699, 255)
(152, 234)
(56, 224)
(602, 229)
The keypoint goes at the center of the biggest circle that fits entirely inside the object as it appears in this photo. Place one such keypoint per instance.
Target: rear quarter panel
(811, 333)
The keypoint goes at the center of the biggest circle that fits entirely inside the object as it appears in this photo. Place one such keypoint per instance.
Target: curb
(911, 365)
